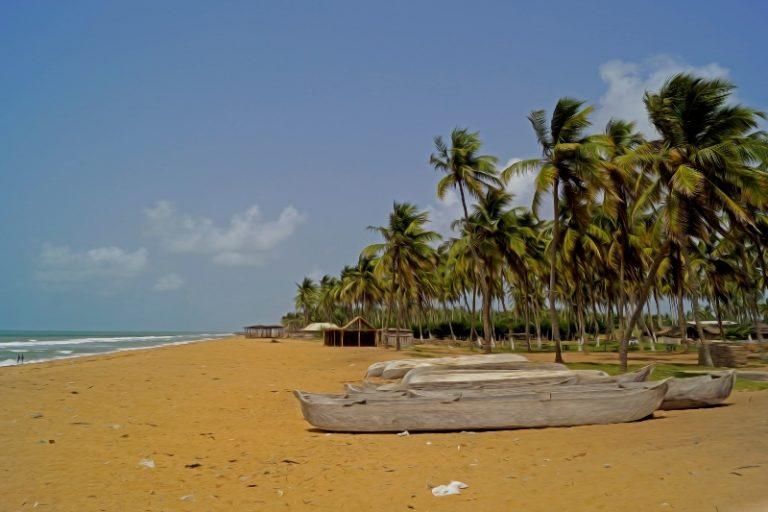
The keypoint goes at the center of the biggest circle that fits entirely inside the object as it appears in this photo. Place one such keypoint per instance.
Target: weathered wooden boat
(447, 411)
(436, 378)
(397, 368)
(639, 375)
(510, 374)
(703, 391)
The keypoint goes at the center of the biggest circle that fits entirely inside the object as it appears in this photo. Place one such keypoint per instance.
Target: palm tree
(362, 285)
(306, 298)
(404, 253)
(707, 161)
(464, 169)
(569, 165)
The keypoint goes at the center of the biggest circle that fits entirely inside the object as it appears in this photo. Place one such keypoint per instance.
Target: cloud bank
(60, 264)
(169, 282)
(247, 239)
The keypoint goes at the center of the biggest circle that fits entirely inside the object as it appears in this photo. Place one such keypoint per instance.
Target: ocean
(38, 346)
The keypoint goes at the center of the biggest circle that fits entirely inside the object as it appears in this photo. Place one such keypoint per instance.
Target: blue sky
(180, 165)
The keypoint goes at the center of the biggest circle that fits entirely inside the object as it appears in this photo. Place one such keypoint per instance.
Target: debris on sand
(446, 490)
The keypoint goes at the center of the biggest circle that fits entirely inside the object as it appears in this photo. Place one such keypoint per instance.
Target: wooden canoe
(511, 374)
(397, 368)
(692, 392)
(436, 378)
(447, 411)
(639, 375)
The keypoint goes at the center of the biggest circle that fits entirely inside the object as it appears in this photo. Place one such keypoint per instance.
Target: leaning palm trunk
(643, 292)
(705, 357)
(487, 334)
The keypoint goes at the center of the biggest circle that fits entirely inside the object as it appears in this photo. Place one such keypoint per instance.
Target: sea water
(38, 346)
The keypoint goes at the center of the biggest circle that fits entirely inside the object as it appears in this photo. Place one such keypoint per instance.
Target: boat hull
(452, 411)
(704, 391)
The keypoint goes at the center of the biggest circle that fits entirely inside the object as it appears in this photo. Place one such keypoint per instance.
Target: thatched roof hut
(357, 333)
(264, 331)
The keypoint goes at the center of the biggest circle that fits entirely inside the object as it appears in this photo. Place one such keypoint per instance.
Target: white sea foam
(83, 341)
(69, 354)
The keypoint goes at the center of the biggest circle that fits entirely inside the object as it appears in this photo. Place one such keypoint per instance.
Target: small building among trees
(357, 333)
(264, 331)
(389, 337)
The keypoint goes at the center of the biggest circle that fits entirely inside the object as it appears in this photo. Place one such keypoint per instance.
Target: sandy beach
(223, 431)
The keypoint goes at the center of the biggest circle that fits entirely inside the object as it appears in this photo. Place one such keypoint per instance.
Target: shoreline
(112, 352)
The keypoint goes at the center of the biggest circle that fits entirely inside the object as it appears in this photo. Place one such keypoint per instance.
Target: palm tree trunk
(580, 316)
(553, 319)
(719, 317)
(650, 324)
(681, 316)
(487, 325)
(487, 334)
(620, 312)
(527, 314)
(705, 357)
(643, 292)
(472, 331)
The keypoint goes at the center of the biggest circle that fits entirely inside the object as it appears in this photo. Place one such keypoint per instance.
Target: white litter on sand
(404, 433)
(451, 488)
(147, 463)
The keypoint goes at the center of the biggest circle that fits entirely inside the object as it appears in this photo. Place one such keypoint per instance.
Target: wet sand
(225, 433)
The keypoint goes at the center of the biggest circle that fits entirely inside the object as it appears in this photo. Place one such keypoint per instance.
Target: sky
(180, 165)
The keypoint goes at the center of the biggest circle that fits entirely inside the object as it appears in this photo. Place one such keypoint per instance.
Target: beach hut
(264, 331)
(357, 333)
(314, 330)
(389, 337)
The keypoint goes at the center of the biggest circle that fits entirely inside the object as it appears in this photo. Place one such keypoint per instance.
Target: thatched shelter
(264, 331)
(357, 333)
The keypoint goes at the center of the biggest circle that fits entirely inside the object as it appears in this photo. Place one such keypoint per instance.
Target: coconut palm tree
(405, 252)
(306, 298)
(470, 173)
(569, 165)
(362, 285)
(707, 164)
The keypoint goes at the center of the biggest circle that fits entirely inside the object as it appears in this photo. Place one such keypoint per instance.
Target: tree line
(680, 217)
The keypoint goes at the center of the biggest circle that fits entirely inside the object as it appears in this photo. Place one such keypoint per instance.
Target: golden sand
(224, 432)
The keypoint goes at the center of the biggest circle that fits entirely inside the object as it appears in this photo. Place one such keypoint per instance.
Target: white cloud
(521, 186)
(628, 81)
(60, 264)
(246, 240)
(444, 212)
(316, 274)
(169, 282)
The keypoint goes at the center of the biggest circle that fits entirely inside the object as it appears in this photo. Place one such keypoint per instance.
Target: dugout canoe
(436, 378)
(703, 391)
(447, 411)
(397, 368)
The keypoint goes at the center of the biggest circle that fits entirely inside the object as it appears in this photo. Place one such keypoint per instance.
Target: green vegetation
(677, 216)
